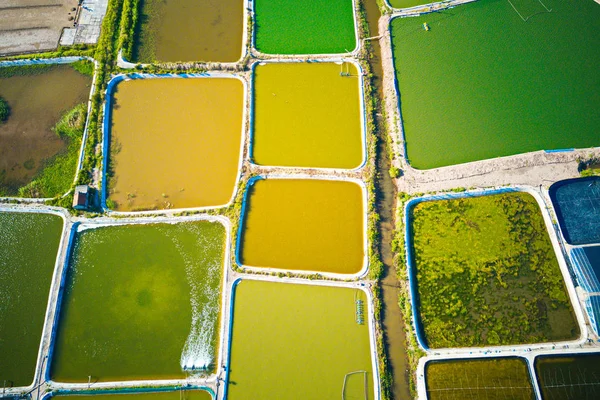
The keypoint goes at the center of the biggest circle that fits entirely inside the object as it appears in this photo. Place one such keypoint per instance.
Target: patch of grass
(304, 27)
(57, 175)
(84, 67)
(487, 273)
(4, 110)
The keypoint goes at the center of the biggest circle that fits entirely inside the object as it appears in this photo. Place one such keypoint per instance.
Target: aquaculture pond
(482, 83)
(307, 115)
(28, 248)
(175, 143)
(487, 273)
(310, 224)
(304, 27)
(569, 377)
(577, 205)
(189, 30)
(485, 379)
(173, 395)
(293, 341)
(141, 301)
(41, 137)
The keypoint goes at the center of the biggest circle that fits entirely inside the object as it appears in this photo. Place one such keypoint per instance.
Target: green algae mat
(141, 301)
(304, 224)
(307, 115)
(304, 27)
(487, 273)
(481, 83)
(28, 248)
(485, 379)
(293, 341)
(174, 395)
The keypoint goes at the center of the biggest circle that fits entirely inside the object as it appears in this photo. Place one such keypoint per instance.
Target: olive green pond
(304, 224)
(142, 301)
(293, 341)
(28, 248)
(482, 83)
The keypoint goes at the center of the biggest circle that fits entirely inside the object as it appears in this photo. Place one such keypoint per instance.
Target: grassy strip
(487, 273)
(57, 175)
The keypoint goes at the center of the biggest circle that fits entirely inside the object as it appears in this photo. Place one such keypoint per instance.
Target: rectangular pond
(292, 341)
(174, 142)
(482, 83)
(304, 27)
(303, 224)
(485, 379)
(569, 377)
(166, 395)
(577, 206)
(189, 30)
(308, 115)
(41, 138)
(29, 244)
(487, 274)
(141, 301)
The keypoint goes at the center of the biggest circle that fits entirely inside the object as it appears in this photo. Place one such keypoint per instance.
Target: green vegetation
(57, 176)
(4, 110)
(487, 273)
(304, 27)
(482, 83)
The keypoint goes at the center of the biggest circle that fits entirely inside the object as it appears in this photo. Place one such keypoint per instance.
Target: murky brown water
(393, 320)
(190, 30)
(175, 143)
(37, 102)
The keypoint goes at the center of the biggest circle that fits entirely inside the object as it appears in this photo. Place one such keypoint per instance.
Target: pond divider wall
(63, 60)
(241, 225)
(106, 134)
(354, 52)
(363, 110)
(151, 384)
(355, 285)
(561, 257)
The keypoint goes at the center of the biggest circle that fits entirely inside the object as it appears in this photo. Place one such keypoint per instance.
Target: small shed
(81, 199)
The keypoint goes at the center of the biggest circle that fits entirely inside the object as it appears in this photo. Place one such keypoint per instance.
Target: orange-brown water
(175, 143)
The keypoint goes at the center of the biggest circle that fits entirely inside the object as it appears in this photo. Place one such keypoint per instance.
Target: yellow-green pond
(175, 143)
(293, 341)
(304, 224)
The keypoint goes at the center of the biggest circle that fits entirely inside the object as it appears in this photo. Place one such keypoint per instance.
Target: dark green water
(482, 83)
(28, 248)
(575, 377)
(141, 302)
(175, 395)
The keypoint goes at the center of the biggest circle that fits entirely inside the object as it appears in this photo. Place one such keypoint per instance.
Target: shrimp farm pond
(164, 148)
(294, 341)
(29, 245)
(304, 225)
(485, 379)
(487, 273)
(188, 30)
(173, 395)
(141, 301)
(482, 83)
(40, 139)
(569, 377)
(308, 115)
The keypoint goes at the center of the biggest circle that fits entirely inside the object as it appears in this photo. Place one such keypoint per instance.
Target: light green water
(141, 301)
(307, 115)
(175, 395)
(298, 342)
(309, 224)
(482, 83)
(28, 249)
